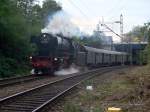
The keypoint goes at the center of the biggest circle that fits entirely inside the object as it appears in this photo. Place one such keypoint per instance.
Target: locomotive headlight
(55, 59)
(30, 57)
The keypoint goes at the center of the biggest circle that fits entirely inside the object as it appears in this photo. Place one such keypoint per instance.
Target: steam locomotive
(55, 51)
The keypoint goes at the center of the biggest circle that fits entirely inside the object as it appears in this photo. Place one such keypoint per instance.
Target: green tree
(140, 34)
(137, 34)
(19, 19)
(147, 25)
(48, 9)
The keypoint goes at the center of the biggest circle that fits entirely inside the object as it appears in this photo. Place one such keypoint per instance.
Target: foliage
(69, 107)
(143, 57)
(9, 67)
(19, 19)
(140, 34)
(137, 34)
(49, 8)
(147, 50)
(97, 110)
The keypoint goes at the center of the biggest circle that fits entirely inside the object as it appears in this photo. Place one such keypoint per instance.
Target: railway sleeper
(18, 106)
(31, 104)
(36, 99)
(47, 91)
(33, 100)
(41, 96)
(46, 94)
(15, 109)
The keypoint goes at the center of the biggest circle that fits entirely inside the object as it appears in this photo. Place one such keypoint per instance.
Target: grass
(124, 89)
(69, 107)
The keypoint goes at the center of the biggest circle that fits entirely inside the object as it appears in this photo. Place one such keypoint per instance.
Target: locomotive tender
(55, 51)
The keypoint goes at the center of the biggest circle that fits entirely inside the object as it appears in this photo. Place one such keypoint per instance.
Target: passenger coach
(95, 57)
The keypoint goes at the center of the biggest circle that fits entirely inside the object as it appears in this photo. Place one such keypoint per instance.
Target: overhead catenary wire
(113, 8)
(120, 6)
(85, 15)
(81, 12)
(117, 7)
(117, 2)
(85, 6)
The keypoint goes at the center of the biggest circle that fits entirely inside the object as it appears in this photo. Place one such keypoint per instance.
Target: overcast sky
(87, 13)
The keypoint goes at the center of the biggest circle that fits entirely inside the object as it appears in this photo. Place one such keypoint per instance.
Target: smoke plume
(60, 24)
(67, 71)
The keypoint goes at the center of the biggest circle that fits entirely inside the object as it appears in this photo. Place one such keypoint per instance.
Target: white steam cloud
(67, 71)
(60, 24)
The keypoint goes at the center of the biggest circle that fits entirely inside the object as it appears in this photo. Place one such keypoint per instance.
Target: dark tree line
(19, 19)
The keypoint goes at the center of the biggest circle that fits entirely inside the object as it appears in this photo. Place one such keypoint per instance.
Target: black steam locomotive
(55, 51)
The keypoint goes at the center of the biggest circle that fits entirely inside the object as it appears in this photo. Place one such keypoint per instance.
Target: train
(57, 51)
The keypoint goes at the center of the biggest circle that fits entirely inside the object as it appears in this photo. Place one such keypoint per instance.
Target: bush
(10, 67)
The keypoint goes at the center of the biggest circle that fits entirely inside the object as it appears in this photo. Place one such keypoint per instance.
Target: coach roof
(96, 50)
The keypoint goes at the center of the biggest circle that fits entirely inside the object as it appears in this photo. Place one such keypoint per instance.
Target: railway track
(17, 80)
(34, 100)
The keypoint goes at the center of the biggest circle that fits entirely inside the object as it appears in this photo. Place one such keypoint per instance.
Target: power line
(121, 5)
(84, 4)
(81, 12)
(116, 4)
(112, 30)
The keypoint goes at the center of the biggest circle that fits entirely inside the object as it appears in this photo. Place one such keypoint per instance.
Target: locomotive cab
(65, 50)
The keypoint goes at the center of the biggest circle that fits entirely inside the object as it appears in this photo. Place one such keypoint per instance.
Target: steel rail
(35, 99)
(17, 80)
